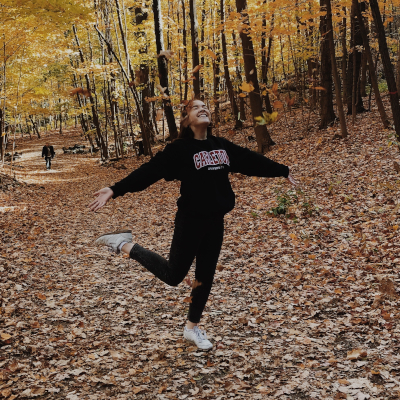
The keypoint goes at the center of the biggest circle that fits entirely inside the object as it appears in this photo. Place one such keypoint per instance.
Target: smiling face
(198, 115)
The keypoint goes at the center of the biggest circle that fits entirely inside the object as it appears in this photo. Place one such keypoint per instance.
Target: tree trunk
(344, 57)
(354, 66)
(242, 110)
(125, 74)
(96, 121)
(141, 16)
(216, 81)
(203, 19)
(28, 127)
(265, 58)
(387, 66)
(331, 44)
(3, 109)
(229, 86)
(372, 72)
(195, 49)
(185, 56)
(398, 68)
(364, 67)
(84, 125)
(264, 140)
(34, 127)
(327, 112)
(163, 69)
(1, 136)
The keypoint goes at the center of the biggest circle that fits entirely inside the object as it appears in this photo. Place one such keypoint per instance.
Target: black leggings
(193, 237)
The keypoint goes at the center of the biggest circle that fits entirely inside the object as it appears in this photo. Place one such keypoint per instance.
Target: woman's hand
(102, 196)
(292, 180)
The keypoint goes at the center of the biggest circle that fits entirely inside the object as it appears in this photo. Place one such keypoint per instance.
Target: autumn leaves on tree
(123, 71)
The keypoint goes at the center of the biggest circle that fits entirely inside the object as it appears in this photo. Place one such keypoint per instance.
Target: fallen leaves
(139, 389)
(5, 336)
(290, 299)
(356, 354)
(193, 284)
(33, 392)
(388, 288)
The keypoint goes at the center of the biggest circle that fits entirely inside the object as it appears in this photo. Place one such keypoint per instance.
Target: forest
(305, 302)
(123, 72)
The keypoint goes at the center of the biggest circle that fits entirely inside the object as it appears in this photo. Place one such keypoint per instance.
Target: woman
(202, 163)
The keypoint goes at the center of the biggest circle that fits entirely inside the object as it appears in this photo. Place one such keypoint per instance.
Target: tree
(326, 102)
(387, 66)
(263, 138)
(265, 59)
(163, 69)
(194, 30)
(372, 73)
(354, 65)
(142, 77)
(229, 86)
(331, 44)
(95, 117)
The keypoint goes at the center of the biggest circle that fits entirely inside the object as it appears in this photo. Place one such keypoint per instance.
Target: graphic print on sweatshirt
(214, 159)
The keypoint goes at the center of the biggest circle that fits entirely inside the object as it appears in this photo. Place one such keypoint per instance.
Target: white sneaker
(114, 239)
(198, 337)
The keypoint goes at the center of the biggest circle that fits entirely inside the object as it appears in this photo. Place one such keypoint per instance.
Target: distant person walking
(48, 153)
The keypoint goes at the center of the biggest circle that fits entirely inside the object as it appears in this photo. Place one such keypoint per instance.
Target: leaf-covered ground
(302, 307)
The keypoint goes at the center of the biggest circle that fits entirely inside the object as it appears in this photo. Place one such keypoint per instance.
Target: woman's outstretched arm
(250, 163)
(163, 165)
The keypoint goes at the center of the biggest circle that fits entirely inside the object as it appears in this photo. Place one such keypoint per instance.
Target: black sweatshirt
(202, 166)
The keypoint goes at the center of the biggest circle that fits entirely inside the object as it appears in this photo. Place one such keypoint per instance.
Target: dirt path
(291, 299)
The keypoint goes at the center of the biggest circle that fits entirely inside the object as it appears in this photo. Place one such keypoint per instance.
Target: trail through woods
(299, 309)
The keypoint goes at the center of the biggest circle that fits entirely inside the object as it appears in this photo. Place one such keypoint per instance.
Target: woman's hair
(185, 132)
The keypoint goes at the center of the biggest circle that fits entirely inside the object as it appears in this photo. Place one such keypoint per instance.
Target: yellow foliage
(247, 87)
(267, 119)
